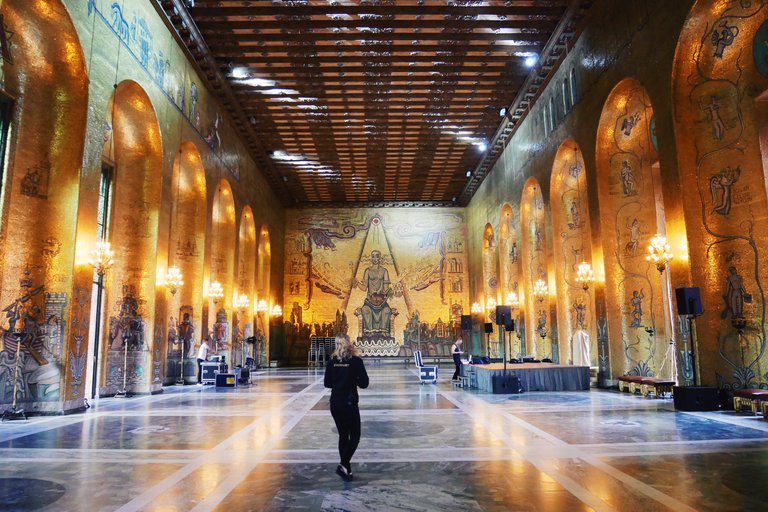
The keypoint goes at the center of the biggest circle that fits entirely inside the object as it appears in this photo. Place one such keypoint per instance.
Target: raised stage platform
(536, 376)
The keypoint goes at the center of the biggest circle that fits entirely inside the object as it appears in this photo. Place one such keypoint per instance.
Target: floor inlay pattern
(272, 446)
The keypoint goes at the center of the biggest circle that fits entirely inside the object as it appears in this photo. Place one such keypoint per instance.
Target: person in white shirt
(202, 355)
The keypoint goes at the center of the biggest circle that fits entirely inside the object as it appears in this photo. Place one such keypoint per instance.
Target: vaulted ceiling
(382, 101)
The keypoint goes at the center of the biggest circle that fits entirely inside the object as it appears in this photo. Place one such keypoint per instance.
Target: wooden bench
(752, 398)
(630, 382)
(657, 387)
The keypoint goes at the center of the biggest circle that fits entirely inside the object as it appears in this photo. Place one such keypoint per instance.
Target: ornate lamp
(277, 310)
(475, 309)
(262, 306)
(243, 302)
(512, 300)
(584, 275)
(540, 290)
(102, 258)
(173, 279)
(490, 305)
(658, 252)
(215, 292)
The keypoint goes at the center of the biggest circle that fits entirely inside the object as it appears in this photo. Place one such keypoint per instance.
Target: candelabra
(540, 290)
(584, 275)
(215, 292)
(658, 252)
(475, 309)
(102, 258)
(173, 279)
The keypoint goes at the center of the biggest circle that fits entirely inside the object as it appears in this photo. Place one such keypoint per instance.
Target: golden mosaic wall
(572, 240)
(628, 215)
(719, 83)
(114, 88)
(395, 279)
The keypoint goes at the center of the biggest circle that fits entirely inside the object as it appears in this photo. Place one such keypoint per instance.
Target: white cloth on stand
(580, 346)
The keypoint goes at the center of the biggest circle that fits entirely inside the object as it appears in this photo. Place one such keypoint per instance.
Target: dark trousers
(200, 370)
(457, 362)
(347, 419)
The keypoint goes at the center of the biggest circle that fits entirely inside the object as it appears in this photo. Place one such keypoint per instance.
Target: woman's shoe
(343, 473)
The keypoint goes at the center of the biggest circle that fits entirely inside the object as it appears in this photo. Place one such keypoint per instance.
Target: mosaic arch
(39, 214)
(720, 80)
(263, 285)
(130, 286)
(222, 267)
(509, 272)
(538, 328)
(572, 246)
(631, 212)
(246, 282)
(187, 252)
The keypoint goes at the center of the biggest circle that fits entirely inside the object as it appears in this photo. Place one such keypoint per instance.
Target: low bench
(658, 387)
(630, 382)
(752, 398)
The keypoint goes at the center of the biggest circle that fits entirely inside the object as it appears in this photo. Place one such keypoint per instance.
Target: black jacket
(344, 377)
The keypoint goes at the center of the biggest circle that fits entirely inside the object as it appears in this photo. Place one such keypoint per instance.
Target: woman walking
(344, 373)
(456, 353)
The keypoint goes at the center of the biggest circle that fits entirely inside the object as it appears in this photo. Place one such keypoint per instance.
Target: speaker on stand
(503, 316)
(689, 306)
(488, 326)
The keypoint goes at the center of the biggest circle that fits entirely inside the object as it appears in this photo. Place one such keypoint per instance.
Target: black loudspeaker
(466, 322)
(503, 314)
(696, 398)
(510, 325)
(488, 328)
(506, 385)
(689, 301)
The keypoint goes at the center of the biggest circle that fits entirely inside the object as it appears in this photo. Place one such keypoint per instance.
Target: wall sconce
(512, 300)
(540, 290)
(102, 258)
(215, 292)
(475, 309)
(277, 310)
(584, 275)
(243, 303)
(490, 305)
(658, 252)
(173, 279)
(262, 307)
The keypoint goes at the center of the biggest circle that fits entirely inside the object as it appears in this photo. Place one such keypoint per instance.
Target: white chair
(426, 373)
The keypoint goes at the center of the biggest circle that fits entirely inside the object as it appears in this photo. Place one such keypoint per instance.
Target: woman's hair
(344, 348)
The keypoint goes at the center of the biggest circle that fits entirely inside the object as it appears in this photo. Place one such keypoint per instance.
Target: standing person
(202, 355)
(344, 373)
(456, 352)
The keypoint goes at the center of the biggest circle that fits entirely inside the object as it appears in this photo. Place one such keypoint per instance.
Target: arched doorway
(187, 252)
(246, 284)
(263, 280)
(631, 213)
(572, 247)
(720, 84)
(222, 268)
(44, 129)
(130, 223)
(537, 330)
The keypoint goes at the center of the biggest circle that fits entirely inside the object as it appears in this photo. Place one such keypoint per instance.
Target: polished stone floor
(272, 446)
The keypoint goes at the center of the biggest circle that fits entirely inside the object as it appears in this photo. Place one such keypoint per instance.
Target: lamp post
(261, 309)
(102, 259)
(172, 282)
(243, 305)
(660, 255)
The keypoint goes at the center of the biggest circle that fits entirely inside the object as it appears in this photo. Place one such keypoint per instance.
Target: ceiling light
(502, 112)
(257, 82)
(240, 72)
(531, 60)
(469, 174)
(482, 146)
